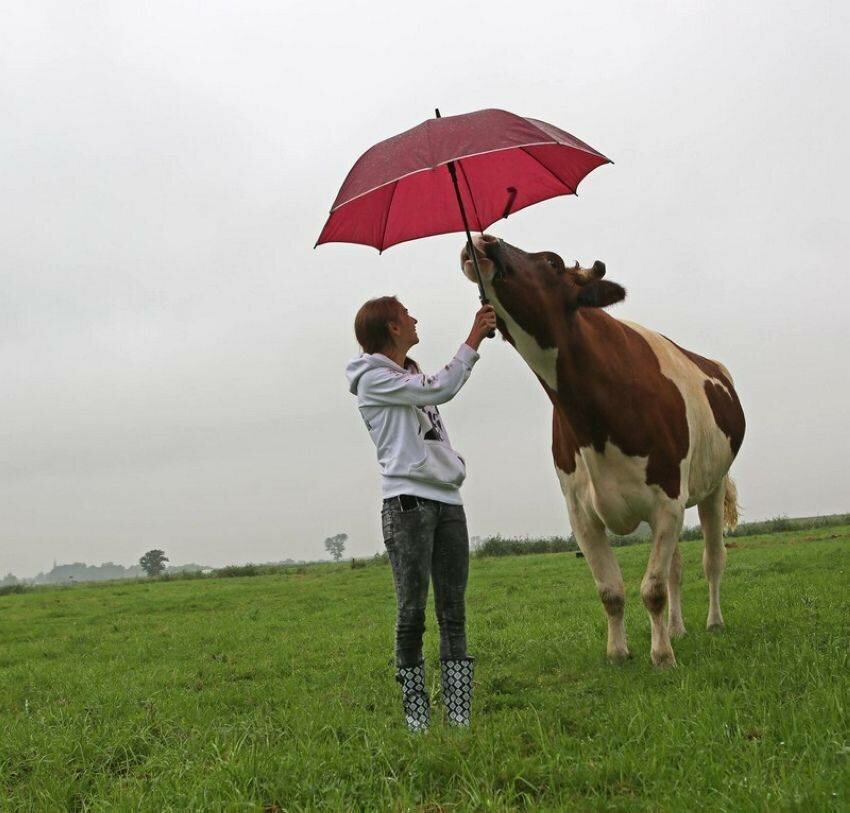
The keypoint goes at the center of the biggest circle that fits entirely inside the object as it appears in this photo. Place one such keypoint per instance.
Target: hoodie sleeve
(385, 387)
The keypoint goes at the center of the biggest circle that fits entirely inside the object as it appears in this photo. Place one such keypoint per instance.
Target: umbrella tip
(437, 112)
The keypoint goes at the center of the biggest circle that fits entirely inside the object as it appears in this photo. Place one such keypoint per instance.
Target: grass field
(276, 692)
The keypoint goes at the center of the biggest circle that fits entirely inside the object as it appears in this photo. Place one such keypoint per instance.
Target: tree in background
(153, 562)
(335, 545)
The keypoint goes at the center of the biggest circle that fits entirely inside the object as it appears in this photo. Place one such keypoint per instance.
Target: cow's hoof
(676, 630)
(618, 657)
(664, 660)
(715, 626)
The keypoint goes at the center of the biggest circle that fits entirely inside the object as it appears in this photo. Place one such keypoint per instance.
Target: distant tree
(335, 545)
(8, 579)
(153, 562)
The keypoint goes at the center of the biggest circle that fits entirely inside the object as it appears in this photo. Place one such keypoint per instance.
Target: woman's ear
(600, 293)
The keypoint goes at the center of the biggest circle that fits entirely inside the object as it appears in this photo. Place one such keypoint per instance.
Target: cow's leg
(593, 542)
(666, 527)
(714, 553)
(675, 622)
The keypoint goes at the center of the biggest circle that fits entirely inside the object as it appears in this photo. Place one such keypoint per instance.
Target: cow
(641, 428)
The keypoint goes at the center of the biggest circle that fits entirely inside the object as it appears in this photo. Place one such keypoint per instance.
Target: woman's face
(405, 335)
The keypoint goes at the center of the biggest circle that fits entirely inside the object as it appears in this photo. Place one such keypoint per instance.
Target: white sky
(172, 347)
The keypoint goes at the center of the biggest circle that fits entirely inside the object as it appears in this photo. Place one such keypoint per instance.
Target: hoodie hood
(365, 362)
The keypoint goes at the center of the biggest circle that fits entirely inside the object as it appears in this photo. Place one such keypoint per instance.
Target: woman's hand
(485, 322)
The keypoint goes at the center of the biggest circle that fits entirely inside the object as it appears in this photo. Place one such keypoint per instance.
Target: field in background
(276, 692)
(488, 546)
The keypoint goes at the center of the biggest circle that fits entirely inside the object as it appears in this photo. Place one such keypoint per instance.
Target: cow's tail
(730, 504)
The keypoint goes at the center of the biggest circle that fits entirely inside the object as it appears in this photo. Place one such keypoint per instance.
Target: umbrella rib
(387, 218)
(471, 198)
(551, 172)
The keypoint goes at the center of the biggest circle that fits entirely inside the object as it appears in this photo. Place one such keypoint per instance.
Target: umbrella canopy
(401, 189)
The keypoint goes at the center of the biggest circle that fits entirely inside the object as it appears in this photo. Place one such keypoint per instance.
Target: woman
(423, 520)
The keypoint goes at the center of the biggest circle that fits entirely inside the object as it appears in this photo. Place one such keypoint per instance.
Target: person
(423, 519)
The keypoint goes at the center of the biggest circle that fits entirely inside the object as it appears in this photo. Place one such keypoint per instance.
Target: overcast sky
(172, 348)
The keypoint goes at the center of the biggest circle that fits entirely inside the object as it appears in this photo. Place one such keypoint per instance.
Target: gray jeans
(427, 540)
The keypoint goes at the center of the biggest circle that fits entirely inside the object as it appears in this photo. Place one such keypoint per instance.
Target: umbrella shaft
(470, 247)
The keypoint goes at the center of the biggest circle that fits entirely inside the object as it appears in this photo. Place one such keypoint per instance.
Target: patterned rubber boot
(456, 678)
(417, 709)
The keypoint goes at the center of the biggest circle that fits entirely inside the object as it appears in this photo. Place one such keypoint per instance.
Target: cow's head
(538, 291)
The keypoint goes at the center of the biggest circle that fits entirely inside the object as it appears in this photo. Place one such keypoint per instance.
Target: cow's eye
(553, 262)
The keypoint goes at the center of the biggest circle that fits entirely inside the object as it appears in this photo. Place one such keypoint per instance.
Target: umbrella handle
(481, 295)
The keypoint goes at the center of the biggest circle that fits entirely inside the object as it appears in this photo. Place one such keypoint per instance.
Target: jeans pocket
(387, 527)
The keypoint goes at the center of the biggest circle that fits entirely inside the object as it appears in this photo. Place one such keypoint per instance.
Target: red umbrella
(449, 173)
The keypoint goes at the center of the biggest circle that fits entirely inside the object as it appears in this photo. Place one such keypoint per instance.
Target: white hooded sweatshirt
(399, 408)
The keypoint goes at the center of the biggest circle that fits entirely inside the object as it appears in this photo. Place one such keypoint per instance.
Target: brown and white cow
(641, 428)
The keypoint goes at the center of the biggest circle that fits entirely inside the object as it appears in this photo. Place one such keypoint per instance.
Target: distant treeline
(777, 525)
(81, 572)
(517, 546)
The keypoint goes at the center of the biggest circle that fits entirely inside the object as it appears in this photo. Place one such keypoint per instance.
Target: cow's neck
(572, 369)
(542, 359)
(584, 383)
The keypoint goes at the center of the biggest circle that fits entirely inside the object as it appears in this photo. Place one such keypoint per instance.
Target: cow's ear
(600, 293)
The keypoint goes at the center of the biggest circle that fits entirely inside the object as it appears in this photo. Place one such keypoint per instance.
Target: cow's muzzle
(489, 252)
(493, 248)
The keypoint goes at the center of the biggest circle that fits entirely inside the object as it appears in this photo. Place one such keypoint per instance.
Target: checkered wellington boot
(417, 709)
(457, 689)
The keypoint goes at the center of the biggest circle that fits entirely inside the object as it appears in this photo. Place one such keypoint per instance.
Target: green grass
(276, 692)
